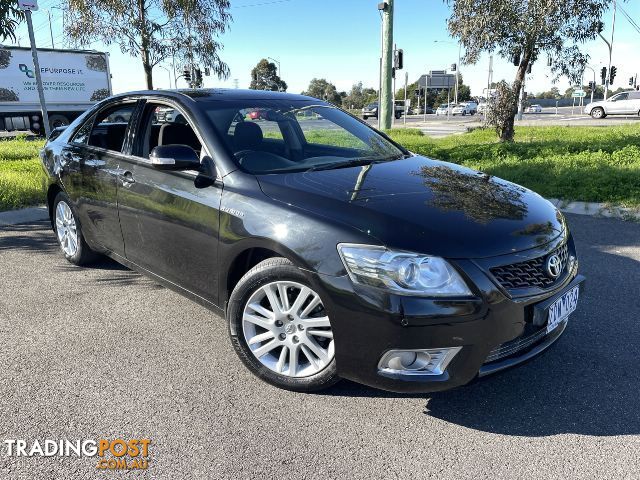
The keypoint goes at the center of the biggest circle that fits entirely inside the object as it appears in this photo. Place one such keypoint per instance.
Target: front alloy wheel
(287, 329)
(280, 328)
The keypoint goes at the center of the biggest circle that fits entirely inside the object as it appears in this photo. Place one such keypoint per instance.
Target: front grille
(514, 346)
(530, 273)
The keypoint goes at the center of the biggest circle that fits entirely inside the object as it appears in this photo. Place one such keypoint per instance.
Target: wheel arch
(52, 192)
(245, 258)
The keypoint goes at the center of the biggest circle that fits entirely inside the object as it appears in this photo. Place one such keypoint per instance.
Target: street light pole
(594, 80)
(458, 70)
(610, 46)
(50, 29)
(279, 71)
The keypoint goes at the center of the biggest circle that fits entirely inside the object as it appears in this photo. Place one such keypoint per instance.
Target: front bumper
(368, 322)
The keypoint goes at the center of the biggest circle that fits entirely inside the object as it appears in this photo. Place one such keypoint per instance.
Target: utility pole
(406, 85)
(458, 71)
(610, 46)
(50, 29)
(36, 67)
(594, 80)
(386, 107)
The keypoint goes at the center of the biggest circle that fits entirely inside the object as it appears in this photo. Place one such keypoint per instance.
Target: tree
(10, 17)
(264, 76)
(359, 96)
(321, 88)
(154, 30)
(521, 31)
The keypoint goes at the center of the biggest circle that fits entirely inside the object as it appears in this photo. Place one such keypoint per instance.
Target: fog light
(432, 361)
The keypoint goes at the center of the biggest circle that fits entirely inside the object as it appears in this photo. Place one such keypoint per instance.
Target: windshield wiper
(354, 162)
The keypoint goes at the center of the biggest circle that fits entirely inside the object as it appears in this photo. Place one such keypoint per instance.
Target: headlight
(402, 272)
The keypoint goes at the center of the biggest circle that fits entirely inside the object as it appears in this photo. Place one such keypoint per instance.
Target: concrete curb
(597, 209)
(25, 215)
(37, 214)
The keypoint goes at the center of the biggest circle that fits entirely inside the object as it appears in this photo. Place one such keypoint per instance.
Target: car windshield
(274, 136)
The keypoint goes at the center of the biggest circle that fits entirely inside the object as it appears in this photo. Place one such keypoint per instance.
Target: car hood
(424, 206)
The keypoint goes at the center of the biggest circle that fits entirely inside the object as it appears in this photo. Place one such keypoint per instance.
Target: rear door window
(110, 127)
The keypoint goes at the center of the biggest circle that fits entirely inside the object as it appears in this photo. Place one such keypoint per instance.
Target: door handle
(127, 178)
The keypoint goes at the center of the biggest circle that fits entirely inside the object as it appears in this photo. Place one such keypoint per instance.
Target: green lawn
(20, 174)
(592, 164)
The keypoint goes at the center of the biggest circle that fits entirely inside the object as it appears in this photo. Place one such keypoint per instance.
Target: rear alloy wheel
(69, 233)
(280, 328)
(597, 112)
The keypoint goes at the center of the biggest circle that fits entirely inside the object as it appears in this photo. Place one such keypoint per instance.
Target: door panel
(169, 226)
(97, 206)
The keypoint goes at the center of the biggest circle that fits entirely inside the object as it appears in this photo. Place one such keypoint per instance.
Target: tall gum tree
(522, 30)
(154, 30)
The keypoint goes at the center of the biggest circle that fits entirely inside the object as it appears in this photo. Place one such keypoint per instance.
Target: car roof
(204, 94)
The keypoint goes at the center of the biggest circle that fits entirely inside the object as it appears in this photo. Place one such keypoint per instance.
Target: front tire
(597, 113)
(69, 233)
(280, 329)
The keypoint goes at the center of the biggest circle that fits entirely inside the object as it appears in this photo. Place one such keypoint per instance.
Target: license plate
(560, 309)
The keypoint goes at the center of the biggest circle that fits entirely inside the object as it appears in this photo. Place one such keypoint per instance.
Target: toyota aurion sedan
(332, 251)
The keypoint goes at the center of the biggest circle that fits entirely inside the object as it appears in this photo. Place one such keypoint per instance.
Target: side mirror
(174, 157)
(207, 173)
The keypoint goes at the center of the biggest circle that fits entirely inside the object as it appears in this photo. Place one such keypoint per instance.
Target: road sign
(30, 5)
(579, 94)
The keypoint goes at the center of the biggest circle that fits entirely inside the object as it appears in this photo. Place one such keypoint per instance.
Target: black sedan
(332, 251)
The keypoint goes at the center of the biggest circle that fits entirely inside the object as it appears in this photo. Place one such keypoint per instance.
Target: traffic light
(187, 74)
(631, 81)
(529, 67)
(592, 85)
(197, 77)
(612, 75)
(603, 75)
(398, 59)
(454, 67)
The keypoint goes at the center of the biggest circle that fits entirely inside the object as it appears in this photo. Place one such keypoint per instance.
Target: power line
(628, 17)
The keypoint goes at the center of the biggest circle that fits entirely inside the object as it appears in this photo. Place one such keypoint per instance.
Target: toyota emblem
(554, 266)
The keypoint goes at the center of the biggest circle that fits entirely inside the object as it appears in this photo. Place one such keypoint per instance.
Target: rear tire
(69, 232)
(266, 331)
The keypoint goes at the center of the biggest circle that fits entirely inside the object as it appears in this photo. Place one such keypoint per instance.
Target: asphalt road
(441, 126)
(103, 352)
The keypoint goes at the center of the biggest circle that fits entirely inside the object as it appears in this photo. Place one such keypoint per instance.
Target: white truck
(72, 80)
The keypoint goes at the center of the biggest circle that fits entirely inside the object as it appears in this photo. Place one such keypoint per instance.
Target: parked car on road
(482, 108)
(331, 250)
(624, 103)
(445, 108)
(534, 109)
(465, 108)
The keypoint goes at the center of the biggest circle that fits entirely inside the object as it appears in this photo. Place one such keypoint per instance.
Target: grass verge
(591, 164)
(20, 172)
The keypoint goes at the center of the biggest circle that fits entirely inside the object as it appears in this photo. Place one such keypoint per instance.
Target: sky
(340, 40)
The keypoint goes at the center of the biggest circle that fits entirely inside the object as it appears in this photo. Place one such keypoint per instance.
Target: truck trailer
(72, 80)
